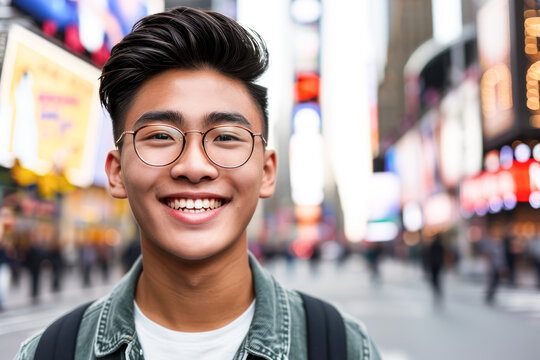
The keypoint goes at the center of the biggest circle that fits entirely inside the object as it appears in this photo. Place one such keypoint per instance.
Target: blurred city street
(398, 310)
(407, 140)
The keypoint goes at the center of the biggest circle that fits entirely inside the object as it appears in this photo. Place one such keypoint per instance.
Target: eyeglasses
(227, 146)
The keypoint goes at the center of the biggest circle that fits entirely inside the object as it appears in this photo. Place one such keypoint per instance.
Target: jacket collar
(116, 324)
(268, 335)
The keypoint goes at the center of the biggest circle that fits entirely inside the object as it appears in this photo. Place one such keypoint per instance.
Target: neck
(194, 296)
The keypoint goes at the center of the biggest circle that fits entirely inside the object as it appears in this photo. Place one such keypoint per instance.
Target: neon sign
(496, 89)
(531, 30)
(519, 183)
(494, 48)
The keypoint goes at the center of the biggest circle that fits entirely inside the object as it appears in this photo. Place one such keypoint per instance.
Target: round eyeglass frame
(184, 133)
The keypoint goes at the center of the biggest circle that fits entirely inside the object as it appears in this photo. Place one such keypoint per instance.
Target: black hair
(182, 38)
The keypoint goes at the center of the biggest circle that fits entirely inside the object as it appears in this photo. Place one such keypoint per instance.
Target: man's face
(194, 97)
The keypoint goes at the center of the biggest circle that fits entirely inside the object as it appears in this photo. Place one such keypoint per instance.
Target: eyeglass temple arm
(122, 136)
(262, 138)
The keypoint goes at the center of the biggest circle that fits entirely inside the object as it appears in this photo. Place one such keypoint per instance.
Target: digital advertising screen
(49, 108)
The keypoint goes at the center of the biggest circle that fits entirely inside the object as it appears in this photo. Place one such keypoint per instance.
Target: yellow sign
(531, 26)
(49, 109)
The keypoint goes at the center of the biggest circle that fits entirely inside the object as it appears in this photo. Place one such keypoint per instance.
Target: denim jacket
(277, 332)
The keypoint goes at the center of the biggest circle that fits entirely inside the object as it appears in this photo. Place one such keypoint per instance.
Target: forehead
(195, 95)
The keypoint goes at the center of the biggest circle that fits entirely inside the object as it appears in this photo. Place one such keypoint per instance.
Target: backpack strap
(59, 340)
(325, 330)
(324, 326)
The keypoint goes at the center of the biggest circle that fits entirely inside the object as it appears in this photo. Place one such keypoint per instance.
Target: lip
(197, 217)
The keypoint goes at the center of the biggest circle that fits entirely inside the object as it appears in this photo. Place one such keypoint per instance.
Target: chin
(195, 246)
(202, 253)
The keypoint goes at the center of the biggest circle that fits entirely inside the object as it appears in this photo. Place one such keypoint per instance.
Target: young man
(191, 126)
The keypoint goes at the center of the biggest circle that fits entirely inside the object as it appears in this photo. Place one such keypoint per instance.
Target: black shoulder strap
(325, 330)
(59, 339)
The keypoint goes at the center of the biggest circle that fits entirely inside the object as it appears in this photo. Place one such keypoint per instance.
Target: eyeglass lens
(226, 146)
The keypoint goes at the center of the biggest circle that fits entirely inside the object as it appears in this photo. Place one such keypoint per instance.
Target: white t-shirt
(160, 343)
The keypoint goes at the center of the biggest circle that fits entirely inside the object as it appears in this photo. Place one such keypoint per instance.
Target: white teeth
(194, 205)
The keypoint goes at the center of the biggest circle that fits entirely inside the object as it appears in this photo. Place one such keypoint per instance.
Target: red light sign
(490, 188)
(307, 87)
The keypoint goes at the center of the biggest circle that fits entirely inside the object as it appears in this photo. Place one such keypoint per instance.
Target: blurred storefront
(505, 194)
(54, 136)
(441, 142)
(468, 160)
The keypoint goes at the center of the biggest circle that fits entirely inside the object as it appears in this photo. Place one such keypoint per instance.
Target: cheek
(137, 177)
(250, 177)
(248, 187)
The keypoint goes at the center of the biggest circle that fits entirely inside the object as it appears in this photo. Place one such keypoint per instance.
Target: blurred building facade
(409, 26)
(465, 145)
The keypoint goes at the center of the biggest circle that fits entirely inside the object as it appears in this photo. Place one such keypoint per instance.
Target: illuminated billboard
(530, 25)
(509, 54)
(502, 189)
(97, 23)
(306, 156)
(49, 108)
(493, 22)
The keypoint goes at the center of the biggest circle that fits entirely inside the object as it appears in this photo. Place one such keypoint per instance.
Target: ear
(268, 183)
(113, 168)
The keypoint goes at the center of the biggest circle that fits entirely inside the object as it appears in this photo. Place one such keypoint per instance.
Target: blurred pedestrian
(434, 261)
(6, 259)
(510, 256)
(56, 258)
(533, 251)
(287, 251)
(104, 255)
(33, 258)
(87, 257)
(131, 254)
(17, 241)
(493, 250)
(345, 250)
(373, 253)
(5, 275)
(315, 258)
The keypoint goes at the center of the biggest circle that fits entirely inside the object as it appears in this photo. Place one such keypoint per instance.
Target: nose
(193, 164)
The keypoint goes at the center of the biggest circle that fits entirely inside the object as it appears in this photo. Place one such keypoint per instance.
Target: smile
(194, 205)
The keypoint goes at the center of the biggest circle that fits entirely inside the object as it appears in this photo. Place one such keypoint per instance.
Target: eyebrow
(216, 118)
(177, 118)
(169, 116)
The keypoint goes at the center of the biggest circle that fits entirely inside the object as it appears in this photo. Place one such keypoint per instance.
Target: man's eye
(156, 138)
(160, 136)
(226, 137)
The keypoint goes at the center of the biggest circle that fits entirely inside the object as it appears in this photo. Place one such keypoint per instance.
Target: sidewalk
(71, 287)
